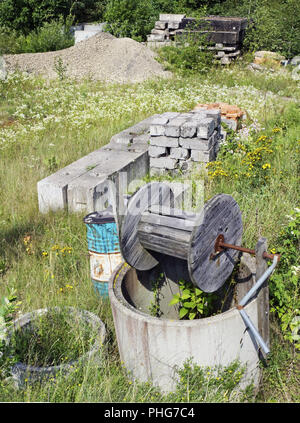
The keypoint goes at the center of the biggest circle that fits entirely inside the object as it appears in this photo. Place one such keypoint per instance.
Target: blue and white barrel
(104, 248)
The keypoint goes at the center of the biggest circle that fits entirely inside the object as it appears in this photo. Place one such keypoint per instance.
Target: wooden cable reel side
(152, 224)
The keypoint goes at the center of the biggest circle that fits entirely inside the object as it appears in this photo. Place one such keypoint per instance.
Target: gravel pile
(101, 57)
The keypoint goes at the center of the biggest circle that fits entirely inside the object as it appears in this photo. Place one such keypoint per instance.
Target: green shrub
(51, 36)
(9, 41)
(284, 285)
(273, 24)
(188, 55)
(194, 303)
(130, 18)
(275, 27)
(28, 15)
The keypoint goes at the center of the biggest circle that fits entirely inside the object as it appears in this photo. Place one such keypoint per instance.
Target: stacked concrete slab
(165, 29)
(224, 34)
(179, 140)
(172, 141)
(85, 185)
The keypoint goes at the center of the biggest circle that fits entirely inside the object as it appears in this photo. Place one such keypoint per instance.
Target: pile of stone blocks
(165, 29)
(224, 34)
(180, 140)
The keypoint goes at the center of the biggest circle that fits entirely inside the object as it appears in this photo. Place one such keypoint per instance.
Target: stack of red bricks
(231, 115)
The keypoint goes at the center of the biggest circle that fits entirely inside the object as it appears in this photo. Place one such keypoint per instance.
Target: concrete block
(141, 139)
(170, 115)
(225, 60)
(81, 193)
(172, 129)
(201, 144)
(179, 153)
(160, 25)
(205, 128)
(84, 35)
(164, 141)
(88, 191)
(188, 129)
(52, 190)
(234, 54)
(203, 156)
(174, 25)
(95, 27)
(163, 163)
(135, 133)
(156, 37)
(158, 44)
(214, 114)
(171, 17)
(186, 166)
(3, 72)
(155, 151)
(158, 126)
(199, 113)
(231, 123)
(164, 32)
(122, 138)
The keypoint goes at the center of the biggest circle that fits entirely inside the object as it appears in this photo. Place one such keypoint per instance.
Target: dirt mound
(101, 57)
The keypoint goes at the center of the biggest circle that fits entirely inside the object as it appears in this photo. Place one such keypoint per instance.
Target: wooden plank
(173, 212)
(168, 221)
(165, 240)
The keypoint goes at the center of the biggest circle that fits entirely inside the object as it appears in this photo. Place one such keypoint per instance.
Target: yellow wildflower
(266, 166)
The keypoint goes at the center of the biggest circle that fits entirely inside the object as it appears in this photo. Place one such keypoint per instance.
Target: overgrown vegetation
(43, 342)
(28, 26)
(193, 303)
(42, 125)
(188, 55)
(51, 36)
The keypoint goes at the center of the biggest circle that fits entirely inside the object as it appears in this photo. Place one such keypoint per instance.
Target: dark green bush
(27, 15)
(189, 55)
(9, 41)
(51, 36)
(273, 24)
(130, 18)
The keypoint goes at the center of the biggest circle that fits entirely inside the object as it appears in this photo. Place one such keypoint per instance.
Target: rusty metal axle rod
(220, 245)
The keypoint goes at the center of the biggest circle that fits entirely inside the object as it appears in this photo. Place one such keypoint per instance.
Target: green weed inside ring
(52, 339)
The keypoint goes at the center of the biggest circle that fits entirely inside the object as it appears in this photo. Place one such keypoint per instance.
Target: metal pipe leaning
(248, 296)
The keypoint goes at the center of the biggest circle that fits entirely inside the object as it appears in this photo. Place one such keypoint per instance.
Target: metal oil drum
(104, 249)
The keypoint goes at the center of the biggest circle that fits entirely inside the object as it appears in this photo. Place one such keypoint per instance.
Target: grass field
(46, 125)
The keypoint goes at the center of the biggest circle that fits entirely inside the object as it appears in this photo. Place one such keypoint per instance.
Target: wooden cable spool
(152, 224)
